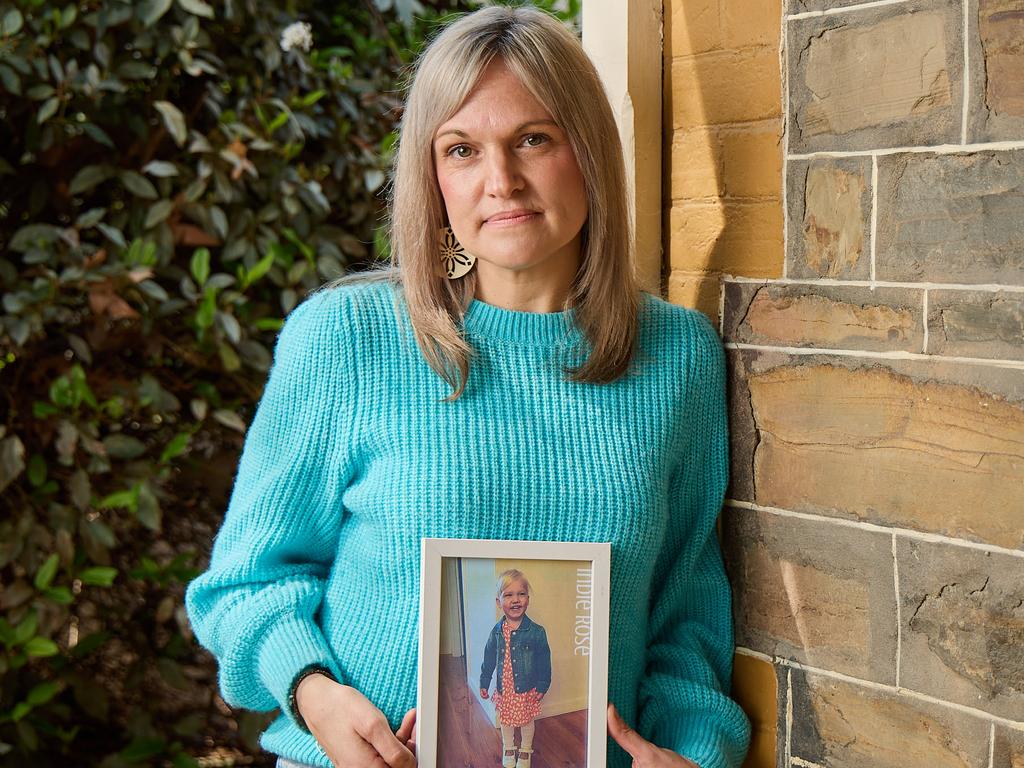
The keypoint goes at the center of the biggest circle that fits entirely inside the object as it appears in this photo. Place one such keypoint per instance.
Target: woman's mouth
(511, 221)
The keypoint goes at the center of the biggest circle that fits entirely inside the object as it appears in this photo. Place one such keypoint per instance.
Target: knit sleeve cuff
(291, 646)
(704, 741)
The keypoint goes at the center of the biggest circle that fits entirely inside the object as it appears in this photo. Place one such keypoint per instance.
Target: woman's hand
(350, 729)
(644, 753)
(406, 730)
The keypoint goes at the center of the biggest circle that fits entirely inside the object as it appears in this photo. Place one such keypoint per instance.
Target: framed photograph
(513, 654)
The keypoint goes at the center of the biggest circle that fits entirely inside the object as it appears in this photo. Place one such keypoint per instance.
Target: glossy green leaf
(25, 629)
(121, 499)
(41, 646)
(148, 511)
(259, 270)
(121, 446)
(158, 212)
(229, 419)
(98, 135)
(90, 218)
(200, 266)
(175, 447)
(59, 595)
(88, 177)
(43, 692)
(10, 80)
(36, 470)
(12, 460)
(207, 309)
(139, 185)
(198, 7)
(173, 120)
(160, 168)
(10, 23)
(150, 11)
(48, 110)
(98, 576)
(46, 572)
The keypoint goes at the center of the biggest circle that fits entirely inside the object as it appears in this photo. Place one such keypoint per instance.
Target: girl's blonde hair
(507, 577)
(551, 63)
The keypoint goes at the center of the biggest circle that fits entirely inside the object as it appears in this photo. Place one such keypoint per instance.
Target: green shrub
(172, 182)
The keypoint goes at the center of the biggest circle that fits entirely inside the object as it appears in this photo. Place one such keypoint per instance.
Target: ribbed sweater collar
(530, 328)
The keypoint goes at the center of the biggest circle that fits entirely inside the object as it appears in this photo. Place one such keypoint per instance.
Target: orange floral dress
(514, 709)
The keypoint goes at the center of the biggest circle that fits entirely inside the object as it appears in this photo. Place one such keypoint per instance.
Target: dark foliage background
(172, 182)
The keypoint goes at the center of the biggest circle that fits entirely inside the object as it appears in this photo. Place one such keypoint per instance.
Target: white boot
(524, 758)
(509, 759)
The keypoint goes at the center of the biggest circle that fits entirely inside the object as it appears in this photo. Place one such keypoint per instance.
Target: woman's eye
(543, 139)
(454, 150)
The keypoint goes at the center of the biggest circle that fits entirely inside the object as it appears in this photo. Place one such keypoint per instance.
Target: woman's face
(501, 153)
(514, 600)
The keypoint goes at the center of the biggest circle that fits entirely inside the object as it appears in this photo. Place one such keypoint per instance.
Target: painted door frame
(624, 40)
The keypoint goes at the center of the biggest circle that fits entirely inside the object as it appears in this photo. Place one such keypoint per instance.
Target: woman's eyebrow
(527, 124)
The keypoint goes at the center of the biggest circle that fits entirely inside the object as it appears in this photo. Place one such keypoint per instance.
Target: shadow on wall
(722, 127)
(723, 141)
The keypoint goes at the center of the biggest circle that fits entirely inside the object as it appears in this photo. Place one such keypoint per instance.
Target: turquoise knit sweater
(351, 458)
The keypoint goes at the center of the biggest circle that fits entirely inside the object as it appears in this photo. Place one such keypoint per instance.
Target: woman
(592, 412)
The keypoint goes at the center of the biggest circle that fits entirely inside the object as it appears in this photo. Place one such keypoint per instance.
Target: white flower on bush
(297, 35)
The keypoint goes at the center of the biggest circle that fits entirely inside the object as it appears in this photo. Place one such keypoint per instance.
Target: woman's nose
(503, 175)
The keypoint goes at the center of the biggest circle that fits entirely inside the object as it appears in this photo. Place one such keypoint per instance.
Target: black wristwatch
(312, 669)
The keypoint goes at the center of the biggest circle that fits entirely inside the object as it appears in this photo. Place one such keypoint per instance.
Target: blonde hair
(552, 65)
(507, 577)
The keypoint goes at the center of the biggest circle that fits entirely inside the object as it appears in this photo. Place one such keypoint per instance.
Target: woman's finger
(636, 745)
(391, 750)
(355, 753)
(404, 732)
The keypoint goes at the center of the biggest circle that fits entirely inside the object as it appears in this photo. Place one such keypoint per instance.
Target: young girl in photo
(519, 648)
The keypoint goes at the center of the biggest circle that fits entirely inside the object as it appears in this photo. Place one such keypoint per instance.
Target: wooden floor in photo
(467, 740)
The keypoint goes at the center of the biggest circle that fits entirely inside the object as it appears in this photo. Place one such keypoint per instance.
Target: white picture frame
(456, 571)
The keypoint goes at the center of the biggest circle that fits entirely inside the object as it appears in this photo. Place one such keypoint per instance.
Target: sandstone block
(696, 290)
(692, 26)
(746, 24)
(963, 625)
(887, 76)
(976, 324)
(951, 218)
(753, 161)
(829, 203)
(996, 40)
(697, 164)
(755, 687)
(815, 592)
(743, 434)
(724, 87)
(921, 444)
(834, 317)
(843, 725)
(1008, 751)
(730, 237)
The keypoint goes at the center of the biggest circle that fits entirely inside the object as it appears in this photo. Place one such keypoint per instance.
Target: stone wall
(874, 523)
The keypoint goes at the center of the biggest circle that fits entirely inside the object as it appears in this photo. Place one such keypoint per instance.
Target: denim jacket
(531, 657)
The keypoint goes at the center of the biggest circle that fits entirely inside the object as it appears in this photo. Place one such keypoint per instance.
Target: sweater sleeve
(683, 698)
(255, 606)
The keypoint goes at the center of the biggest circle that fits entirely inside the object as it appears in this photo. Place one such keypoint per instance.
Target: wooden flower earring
(455, 259)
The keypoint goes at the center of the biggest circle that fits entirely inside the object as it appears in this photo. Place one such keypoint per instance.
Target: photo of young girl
(518, 648)
(513, 662)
